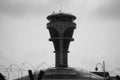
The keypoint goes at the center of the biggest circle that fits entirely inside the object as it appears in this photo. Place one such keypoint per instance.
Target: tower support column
(61, 56)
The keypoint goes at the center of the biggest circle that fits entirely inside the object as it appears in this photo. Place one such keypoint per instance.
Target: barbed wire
(17, 71)
(114, 71)
(26, 63)
(25, 66)
(6, 71)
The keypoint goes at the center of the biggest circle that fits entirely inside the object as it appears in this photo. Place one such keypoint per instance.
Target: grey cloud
(27, 7)
(20, 8)
(109, 10)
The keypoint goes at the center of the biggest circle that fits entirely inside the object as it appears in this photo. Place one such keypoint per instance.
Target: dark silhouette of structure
(102, 74)
(31, 77)
(2, 77)
(40, 75)
(61, 28)
(117, 77)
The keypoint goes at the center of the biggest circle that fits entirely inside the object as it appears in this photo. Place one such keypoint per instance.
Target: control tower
(61, 28)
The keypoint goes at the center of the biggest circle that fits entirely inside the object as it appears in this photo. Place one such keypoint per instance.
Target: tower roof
(61, 17)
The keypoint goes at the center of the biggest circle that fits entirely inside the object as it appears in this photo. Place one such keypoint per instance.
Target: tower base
(60, 74)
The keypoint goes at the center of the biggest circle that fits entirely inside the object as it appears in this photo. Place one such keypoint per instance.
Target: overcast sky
(24, 37)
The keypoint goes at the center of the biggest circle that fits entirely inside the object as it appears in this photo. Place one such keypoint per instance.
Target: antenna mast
(60, 11)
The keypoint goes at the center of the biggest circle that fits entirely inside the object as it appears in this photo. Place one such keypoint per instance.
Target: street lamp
(103, 68)
(26, 63)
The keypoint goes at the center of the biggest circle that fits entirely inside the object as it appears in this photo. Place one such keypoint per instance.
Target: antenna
(61, 7)
(60, 11)
(53, 12)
